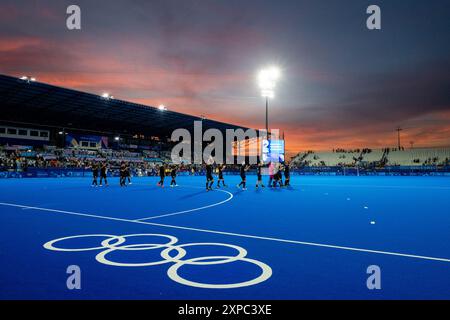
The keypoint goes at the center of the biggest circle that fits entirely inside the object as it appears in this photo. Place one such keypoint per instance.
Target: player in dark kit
(272, 172)
(220, 169)
(259, 181)
(279, 175)
(209, 177)
(123, 174)
(287, 176)
(243, 183)
(173, 174)
(162, 175)
(103, 171)
(128, 173)
(94, 174)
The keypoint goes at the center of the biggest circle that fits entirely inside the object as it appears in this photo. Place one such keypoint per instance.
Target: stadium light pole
(399, 129)
(267, 80)
(62, 133)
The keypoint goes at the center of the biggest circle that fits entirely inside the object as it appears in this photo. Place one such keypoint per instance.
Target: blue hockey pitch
(315, 240)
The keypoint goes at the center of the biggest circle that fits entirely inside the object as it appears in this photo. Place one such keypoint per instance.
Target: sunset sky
(343, 86)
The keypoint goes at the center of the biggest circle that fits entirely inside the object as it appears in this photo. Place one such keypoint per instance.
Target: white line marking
(233, 234)
(191, 210)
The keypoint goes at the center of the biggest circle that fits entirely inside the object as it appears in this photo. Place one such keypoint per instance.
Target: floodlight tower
(267, 80)
(399, 129)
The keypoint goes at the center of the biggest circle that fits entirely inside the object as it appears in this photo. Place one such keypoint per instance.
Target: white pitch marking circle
(101, 257)
(242, 253)
(173, 274)
(142, 246)
(50, 245)
(168, 247)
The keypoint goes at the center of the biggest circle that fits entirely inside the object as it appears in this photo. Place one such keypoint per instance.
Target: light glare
(28, 78)
(107, 96)
(267, 80)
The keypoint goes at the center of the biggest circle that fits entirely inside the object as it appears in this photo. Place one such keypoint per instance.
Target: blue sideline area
(314, 240)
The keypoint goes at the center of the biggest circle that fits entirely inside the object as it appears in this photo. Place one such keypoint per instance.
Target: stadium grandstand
(47, 130)
(418, 160)
(375, 157)
(48, 127)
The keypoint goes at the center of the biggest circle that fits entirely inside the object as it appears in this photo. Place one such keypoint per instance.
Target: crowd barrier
(327, 171)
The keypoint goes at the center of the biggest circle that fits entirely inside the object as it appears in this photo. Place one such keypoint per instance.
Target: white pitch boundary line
(233, 234)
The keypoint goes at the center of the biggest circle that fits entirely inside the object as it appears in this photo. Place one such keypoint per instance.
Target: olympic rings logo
(113, 243)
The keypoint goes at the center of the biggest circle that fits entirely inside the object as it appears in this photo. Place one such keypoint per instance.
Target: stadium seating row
(391, 157)
(54, 157)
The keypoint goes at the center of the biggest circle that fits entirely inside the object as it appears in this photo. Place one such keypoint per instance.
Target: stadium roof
(35, 103)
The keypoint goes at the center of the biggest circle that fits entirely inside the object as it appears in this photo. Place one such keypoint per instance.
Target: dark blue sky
(342, 85)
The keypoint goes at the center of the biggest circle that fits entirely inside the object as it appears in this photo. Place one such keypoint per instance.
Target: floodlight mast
(267, 116)
(267, 80)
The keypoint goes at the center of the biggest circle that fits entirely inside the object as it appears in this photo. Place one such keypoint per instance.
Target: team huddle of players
(173, 175)
(276, 171)
(102, 170)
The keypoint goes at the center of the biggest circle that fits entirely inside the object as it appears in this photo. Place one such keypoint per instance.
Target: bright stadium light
(267, 80)
(28, 79)
(162, 108)
(107, 96)
(117, 138)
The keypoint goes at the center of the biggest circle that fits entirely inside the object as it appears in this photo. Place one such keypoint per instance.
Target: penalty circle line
(230, 197)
